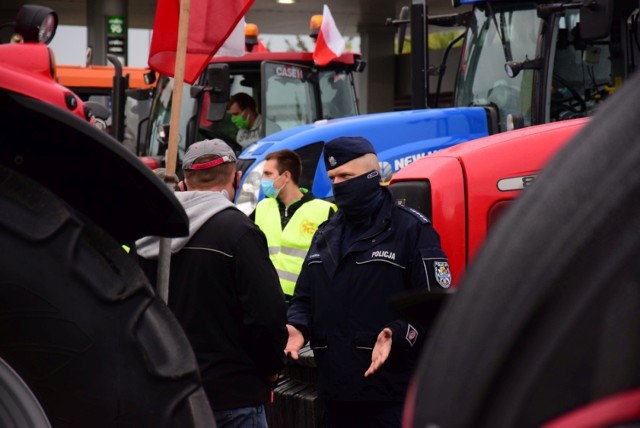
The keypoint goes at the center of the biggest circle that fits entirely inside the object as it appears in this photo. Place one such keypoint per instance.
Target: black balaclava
(359, 197)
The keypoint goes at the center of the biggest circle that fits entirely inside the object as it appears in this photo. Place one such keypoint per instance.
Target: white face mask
(225, 193)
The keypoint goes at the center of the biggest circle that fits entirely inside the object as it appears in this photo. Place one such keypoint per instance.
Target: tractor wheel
(18, 406)
(81, 324)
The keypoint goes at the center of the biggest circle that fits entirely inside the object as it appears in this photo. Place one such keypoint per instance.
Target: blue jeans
(243, 417)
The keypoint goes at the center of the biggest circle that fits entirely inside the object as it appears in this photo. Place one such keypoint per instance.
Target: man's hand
(294, 343)
(380, 352)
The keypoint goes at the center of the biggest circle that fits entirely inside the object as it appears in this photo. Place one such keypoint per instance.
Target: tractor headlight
(249, 193)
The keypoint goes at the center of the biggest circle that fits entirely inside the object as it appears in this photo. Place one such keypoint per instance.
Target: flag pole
(178, 82)
(164, 257)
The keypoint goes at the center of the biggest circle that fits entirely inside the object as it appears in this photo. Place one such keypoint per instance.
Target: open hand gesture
(380, 351)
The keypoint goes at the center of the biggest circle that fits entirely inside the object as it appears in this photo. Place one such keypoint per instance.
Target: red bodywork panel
(26, 68)
(464, 179)
(619, 409)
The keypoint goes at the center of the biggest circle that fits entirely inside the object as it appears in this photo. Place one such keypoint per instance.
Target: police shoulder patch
(417, 214)
(442, 273)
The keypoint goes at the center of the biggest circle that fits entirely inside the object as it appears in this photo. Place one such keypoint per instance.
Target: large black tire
(547, 319)
(81, 324)
(18, 406)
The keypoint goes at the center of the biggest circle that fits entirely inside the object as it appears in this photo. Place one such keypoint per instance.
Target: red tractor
(542, 328)
(464, 189)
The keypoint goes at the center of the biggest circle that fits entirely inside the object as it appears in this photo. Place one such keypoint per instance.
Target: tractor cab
(537, 62)
(289, 90)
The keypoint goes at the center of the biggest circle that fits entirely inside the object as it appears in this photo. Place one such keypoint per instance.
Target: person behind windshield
(245, 117)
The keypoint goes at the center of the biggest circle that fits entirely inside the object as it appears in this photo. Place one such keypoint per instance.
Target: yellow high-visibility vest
(288, 247)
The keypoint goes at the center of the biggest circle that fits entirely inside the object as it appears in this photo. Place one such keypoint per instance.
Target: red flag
(210, 23)
(330, 43)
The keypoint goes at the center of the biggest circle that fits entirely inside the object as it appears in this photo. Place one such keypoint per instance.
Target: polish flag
(330, 43)
(234, 45)
(211, 23)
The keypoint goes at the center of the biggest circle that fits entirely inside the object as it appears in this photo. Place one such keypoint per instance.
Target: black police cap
(344, 149)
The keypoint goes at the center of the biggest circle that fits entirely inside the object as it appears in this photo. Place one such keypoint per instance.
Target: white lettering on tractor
(402, 162)
(293, 72)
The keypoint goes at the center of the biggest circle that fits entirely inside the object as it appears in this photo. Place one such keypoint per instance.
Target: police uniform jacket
(341, 301)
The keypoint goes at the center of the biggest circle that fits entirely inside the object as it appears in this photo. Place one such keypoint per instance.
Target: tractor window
(510, 34)
(161, 116)
(290, 95)
(135, 111)
(251, 84)
(337, 94)
(224, 129)
(581, 71)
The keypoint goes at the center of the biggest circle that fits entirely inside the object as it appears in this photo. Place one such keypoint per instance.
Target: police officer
(369, 251)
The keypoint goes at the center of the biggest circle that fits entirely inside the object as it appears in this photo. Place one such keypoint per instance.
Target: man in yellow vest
(288, 216)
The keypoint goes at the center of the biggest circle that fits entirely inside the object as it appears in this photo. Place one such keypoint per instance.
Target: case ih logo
(288, 71)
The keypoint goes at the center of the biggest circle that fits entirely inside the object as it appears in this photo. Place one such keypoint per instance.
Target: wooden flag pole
(178, 83)
(164, 258)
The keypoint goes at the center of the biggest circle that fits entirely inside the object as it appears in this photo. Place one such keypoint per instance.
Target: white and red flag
(234, 45)
(211, 22)
(330, 43)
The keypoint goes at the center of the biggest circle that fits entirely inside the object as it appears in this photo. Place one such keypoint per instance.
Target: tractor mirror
(595, 19)
(218, 85)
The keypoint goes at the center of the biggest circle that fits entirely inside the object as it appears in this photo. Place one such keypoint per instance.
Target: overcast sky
(70, 45)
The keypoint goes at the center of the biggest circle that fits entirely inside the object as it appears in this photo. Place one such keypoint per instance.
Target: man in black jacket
(224, 290)
(369, 252)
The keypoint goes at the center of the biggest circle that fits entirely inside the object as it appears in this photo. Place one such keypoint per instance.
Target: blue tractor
(522, 63)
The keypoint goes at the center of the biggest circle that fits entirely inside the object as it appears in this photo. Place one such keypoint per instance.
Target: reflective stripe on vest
(287, 276)
(288, 248)
(295, 252)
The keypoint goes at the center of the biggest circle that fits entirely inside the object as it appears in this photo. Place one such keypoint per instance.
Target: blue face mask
(268, 187)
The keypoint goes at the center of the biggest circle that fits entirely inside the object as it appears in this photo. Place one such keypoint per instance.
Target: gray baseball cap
(214, 147)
